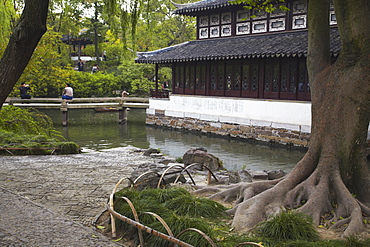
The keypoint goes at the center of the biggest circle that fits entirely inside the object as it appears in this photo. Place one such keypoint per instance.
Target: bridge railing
(77, 100)
(120, 103)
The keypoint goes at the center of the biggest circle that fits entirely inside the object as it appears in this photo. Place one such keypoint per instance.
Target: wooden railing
(120, 103)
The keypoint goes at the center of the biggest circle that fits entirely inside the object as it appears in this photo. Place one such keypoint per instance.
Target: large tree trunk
(23, 41)
(332, 181)
(341, 96)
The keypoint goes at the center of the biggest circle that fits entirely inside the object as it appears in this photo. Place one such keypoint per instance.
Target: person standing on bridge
(67, 92)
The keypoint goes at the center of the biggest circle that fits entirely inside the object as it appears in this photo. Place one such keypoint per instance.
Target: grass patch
(195, 206)
(288, 225)
(180, 210)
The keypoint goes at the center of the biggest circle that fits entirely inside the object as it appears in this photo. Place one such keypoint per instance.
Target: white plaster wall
(291, 115)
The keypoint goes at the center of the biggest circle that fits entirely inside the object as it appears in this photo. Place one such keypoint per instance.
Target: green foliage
(288, 225)
(159, 21)
(28, 131)
(137, 76)
(49, 68)
(156, 200)
(68, 148)
(266, 5)
(26, 122)
(7, 13)
(162, 196)
(179, 223)
(99, 84)
(288, 229)
(195, 206)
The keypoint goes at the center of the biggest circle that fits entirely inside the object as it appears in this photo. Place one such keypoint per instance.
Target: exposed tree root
(321, 195)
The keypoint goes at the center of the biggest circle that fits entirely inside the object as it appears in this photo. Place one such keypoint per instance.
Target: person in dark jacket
(23, 91)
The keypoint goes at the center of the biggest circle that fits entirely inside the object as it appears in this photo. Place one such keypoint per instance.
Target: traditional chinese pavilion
(245, 75)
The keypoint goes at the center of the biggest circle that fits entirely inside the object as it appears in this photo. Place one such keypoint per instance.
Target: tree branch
(353, 17)
(318, 57)
(23, 41)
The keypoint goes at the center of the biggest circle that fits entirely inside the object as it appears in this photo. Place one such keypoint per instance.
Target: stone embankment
(297, 138)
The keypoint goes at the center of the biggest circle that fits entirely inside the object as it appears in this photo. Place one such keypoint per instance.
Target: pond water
(97, 130)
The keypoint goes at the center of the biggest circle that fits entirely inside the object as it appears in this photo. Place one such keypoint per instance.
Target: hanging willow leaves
(7, 15)
(128, 14)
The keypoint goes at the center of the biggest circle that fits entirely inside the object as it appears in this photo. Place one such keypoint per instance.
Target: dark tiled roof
(290, 44)
(188, 8)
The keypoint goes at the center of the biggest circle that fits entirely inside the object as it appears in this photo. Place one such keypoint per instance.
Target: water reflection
(234, 153)
(97, 131)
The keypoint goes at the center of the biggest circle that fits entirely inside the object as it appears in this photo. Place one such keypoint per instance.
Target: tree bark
(341, 94)
(23, 41)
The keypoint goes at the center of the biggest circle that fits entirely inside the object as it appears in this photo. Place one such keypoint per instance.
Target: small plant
(179, 160)
(68, 148)
(288, 225)
(195, 206)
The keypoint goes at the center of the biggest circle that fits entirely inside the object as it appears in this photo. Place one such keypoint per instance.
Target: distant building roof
(188, 8)
(287, 44)
(75, 40)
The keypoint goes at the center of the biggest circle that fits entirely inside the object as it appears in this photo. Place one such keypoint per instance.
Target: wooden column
(156, 77)
(64, 110)
(122, 115)
(122, 112)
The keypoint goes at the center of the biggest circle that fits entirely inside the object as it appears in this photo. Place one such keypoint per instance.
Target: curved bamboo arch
(169, 168)
(111, 203)
(145, 173)
(133, 210)
(163, 222)
(147, 229)
(189, 166)
(201, 233)
(171, 238)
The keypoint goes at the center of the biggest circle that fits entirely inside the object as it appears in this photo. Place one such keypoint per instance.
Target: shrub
(288, 225)
(164, 202)
(28, 131)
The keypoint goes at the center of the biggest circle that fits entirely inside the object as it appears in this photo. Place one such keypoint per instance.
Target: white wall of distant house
(85, 58)
(292, 115)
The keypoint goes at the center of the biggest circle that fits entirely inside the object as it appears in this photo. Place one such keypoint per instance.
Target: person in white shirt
(67, 92)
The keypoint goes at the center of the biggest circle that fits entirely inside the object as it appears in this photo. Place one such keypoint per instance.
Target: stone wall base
(258, 133)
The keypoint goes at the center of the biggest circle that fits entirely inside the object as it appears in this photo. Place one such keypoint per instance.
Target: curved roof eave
(289, 44)
(187, 9)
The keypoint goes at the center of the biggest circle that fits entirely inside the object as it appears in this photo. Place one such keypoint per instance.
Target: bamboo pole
(147, 229)
(111, 202)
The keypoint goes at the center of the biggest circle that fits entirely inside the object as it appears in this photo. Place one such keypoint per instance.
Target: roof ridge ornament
(181, 5)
